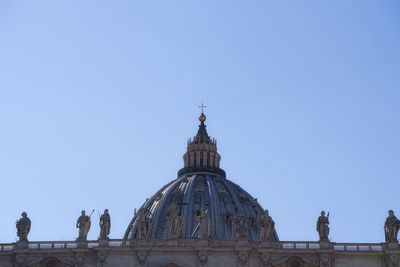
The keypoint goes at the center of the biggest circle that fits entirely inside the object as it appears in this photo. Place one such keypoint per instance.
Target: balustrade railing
(115, 243)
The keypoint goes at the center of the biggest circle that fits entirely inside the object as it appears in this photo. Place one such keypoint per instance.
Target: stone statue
(105, 225)
(322, 227)
(83, 223)
(204, 226)
(241, 225)
(142, 224)
(175, 221)
(392, 226)
(23, 227)
(267, 226)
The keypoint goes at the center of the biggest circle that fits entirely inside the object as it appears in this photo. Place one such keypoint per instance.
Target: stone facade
(198, 253)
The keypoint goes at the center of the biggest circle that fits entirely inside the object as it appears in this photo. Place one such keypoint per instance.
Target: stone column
(198, 159)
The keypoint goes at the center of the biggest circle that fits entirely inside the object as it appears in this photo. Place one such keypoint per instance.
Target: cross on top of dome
(202, 117)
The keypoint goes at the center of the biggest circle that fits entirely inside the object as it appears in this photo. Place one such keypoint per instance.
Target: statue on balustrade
(23, 227)
(267, 226)
(105, 225)
(322, 226)
(83, 223)
(204, 225)
(392, 226)
(175, 221)
(241, 225)
(142, 224)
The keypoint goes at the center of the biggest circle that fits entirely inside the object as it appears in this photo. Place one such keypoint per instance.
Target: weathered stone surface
(322, 227)
(186, 253)
(23, 227)
(83, 223)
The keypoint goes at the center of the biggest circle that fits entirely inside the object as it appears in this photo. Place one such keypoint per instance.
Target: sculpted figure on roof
(322, 226)
(175, 221)
(204, 226)
(241, 225)
(392, 226)
(23, 227)
(267, 227)
(105, 225)
(143, 224)
(83, 223)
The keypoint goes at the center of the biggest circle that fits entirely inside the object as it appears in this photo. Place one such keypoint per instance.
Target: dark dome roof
(191, 193)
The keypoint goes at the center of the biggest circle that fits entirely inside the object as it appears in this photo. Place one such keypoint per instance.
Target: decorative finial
(202, 107)
(202, 117)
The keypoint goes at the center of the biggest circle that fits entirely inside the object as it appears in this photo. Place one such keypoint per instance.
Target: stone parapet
(184, 252)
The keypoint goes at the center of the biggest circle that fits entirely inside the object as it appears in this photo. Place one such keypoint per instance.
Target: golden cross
(202, 107)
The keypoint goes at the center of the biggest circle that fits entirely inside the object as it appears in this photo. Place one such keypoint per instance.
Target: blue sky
(98, 98)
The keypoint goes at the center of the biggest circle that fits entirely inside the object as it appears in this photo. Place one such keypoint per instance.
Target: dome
(200, 193)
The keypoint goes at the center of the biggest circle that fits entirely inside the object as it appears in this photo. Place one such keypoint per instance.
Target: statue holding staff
(83, 223)
(322, 226)
(203, 227)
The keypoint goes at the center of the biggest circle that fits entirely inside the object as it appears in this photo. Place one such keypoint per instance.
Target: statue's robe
(23, 228)
(267, 228)
(392, 226)
(84, 226)
(105, 225)
(322, 227)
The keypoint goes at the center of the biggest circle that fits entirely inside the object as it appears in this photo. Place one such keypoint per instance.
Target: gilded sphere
(202, 117)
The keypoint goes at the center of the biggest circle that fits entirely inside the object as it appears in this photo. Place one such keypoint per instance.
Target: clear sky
(98, 98)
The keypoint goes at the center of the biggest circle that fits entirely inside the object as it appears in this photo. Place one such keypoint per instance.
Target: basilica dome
(201, 189)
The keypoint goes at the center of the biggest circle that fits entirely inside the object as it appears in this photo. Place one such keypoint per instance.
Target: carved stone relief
(142, 224)
(142, 258)
(243, 258)
(241, 229)
(79, 260)
(391, 260)
(266, 260)
(326, 260)
(101, 259)
(203, 259)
